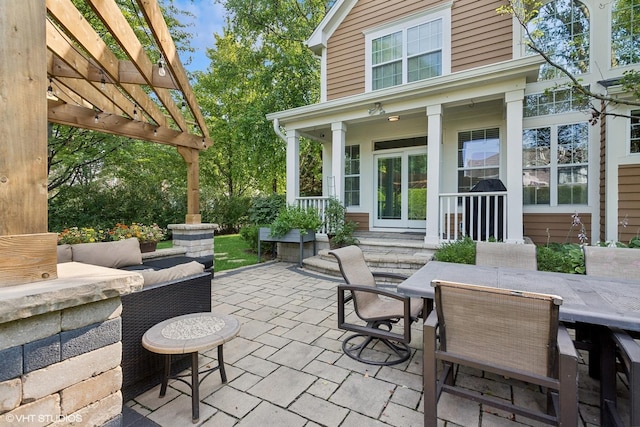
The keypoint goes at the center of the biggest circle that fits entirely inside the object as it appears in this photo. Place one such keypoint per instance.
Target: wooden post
(191, 156)
(29, 252)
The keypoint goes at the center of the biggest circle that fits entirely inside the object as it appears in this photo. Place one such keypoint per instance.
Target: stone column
(197, 239)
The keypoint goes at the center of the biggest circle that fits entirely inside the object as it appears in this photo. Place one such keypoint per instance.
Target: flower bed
(144, 233)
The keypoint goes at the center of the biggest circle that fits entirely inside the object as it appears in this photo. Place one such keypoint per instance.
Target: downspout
(276, 129)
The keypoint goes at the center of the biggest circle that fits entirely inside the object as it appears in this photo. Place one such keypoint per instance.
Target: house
(422, 100)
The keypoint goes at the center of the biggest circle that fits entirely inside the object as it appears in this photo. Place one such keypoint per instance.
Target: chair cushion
(172, 273)
(64, 253)
(116, 254)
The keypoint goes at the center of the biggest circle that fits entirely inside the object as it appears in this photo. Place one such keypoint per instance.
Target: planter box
(297, 236)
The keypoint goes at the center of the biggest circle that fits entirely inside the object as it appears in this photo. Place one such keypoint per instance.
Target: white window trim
(442, 12)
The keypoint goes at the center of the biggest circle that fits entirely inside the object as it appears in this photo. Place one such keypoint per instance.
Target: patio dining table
(598, 302)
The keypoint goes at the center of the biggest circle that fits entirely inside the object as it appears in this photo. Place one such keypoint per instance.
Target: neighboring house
(421, 100)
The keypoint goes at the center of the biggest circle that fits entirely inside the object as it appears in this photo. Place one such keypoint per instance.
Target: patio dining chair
(379, 308)
(617, 263)
(513, 255)
(504, 332)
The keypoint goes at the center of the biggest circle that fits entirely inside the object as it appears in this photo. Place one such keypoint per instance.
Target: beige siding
(554, 228)
(629, 201)
(479, 36)
(346, 48)
(361, 220)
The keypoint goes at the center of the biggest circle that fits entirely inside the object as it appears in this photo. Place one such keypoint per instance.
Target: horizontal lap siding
(346, 48)
(558, 226)
(479, 35)
(360, 218)
(629, 201)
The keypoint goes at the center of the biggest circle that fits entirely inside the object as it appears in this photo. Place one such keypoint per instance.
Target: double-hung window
(625, 32)
(410, 51)
(634, 140)
(478, 157)
(556, 164)
(352, 175)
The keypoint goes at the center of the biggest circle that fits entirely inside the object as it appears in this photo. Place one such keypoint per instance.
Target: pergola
(56, 67)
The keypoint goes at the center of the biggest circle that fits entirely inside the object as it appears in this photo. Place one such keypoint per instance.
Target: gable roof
(329, 24)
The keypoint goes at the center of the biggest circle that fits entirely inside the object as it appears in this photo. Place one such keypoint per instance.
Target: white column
(338, 140)
(293, 166)
(327, 170)
(513, 166)
(434, 151)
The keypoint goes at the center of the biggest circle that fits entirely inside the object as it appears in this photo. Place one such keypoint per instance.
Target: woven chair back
(618, 263)
(355, 271)
(513, 255)
(498, 327)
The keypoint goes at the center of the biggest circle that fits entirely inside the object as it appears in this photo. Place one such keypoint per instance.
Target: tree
(564, 54)
(259, 64)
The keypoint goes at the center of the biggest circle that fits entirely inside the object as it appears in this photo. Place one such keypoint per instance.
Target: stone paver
(287, 368)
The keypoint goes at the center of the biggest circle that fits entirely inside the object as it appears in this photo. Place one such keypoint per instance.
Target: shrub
(264, 209)
(562, 258)
(293, 217)
(461, 251)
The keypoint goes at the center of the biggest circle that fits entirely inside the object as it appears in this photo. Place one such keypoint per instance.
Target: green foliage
(264, 209)
(344, 235)
(561, 258)
(228, 212)
(634, 242)
(292, 217)
(339, 230)
(461, 251)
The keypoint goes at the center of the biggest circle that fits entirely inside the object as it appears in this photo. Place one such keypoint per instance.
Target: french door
(401, 189)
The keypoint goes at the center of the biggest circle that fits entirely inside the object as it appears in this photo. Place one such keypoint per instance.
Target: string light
(135, 112)
(50, 87)
(95, 118)
(155, 131)
(103, 83)
(161, 71)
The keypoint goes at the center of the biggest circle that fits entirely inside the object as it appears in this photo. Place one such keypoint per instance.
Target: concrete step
(402, 263)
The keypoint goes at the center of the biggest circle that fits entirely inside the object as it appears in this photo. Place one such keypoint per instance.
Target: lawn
(230, 251)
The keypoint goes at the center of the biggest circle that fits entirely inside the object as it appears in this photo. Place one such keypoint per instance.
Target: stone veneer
(60, 348)
(197, 239)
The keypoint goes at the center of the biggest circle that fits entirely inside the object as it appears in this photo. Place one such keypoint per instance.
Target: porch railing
(318, 203)
(482, 216)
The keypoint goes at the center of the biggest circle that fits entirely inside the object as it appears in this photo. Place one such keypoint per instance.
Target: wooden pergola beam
(158, 26)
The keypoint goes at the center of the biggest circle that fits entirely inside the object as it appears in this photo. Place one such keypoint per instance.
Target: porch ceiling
(118, 89)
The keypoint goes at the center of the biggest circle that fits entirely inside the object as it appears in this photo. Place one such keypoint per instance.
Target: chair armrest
(372, 290)
(628, 346)
(388, 275)
(565, 344)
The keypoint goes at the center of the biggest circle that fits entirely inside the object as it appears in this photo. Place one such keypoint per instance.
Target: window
(414, 50)
(634, 146)
(553, 102)
(564, 34)
(555, 162)
(478, 157)
(625, 32)
(352, 175)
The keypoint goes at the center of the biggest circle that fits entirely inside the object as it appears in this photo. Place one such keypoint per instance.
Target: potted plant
(339, 230)
(293, 224)
(147, 235)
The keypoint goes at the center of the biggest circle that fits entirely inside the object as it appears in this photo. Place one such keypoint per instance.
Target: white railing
(482, 216)
(318, 203)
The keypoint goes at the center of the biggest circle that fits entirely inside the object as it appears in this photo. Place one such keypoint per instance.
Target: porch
(287, 368)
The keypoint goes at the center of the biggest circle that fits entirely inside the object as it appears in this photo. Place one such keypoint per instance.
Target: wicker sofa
(172, 287)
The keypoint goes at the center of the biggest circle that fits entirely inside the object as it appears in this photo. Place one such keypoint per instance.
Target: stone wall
(61, 365)
(196, 239)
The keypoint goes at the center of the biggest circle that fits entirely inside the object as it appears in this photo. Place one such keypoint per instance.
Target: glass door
(401, 190)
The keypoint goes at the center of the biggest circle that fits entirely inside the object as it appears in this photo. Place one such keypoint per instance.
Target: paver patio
(286, 368)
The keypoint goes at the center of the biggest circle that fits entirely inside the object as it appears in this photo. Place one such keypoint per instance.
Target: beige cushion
(64, 253)
(121, 253)
(172, 273)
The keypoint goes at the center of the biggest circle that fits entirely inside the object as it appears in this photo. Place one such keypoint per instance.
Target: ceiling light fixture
(393, 118)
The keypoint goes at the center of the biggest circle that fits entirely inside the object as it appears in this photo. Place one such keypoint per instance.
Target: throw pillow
(120, 253)
(172, 273)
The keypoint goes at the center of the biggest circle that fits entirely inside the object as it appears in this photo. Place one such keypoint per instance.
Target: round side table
(191, 333)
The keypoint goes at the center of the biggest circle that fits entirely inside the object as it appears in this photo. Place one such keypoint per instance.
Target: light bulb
(161, 71)
(103, 84)
(135, 114)
(50, 88)
(95, 119)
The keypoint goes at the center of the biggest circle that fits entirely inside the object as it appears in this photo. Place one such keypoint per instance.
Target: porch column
(338, 138)
(513, 166)
(434, 148)
(328, 188)
(293, 166)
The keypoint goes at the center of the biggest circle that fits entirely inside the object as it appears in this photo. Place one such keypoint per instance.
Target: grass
(230, 251)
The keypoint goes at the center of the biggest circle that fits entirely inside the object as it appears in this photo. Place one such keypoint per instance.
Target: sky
(208, 19)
